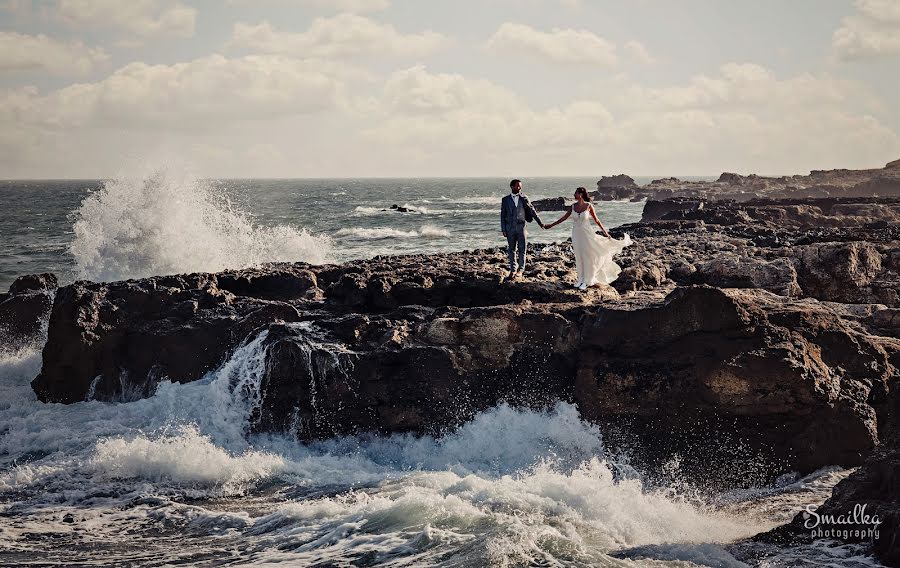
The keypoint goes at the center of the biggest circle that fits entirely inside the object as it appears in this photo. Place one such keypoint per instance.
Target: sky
(447, 88)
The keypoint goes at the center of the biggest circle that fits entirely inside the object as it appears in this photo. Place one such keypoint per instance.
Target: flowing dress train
(594, 253)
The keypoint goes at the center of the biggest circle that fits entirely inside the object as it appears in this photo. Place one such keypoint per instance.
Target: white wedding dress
(594, 253)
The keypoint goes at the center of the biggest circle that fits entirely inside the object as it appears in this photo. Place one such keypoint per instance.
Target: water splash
(178, 471)
(168, 222)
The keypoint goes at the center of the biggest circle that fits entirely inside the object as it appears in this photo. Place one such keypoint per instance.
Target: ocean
(177, 480)
(165, 221)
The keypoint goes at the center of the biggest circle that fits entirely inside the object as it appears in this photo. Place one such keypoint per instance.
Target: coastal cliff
(742, 340)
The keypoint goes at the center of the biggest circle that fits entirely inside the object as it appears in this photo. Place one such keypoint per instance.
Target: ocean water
(166, 221)
(177, 480)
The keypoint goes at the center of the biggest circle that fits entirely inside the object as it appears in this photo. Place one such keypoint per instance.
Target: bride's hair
(584, 194)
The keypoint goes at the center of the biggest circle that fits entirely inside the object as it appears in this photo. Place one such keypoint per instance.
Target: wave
(510, 487)
(166, 222)
(479, 200)
(426, 231)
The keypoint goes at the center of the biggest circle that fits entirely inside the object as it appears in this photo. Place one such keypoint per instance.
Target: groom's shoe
(520, 275)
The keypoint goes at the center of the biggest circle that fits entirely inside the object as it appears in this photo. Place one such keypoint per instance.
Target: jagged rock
(276, 282)
(887, 320)
(456, 367)
(551, 204)
(843, 272)
(25, 307)
(620, 180)
(867, 501)
(117, 341)
(730, 178)
(654, 209)
(787, 380)
(778, 275)
(34, 283)
(617, 187)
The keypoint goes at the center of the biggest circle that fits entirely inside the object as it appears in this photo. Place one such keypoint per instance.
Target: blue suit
(512, 222)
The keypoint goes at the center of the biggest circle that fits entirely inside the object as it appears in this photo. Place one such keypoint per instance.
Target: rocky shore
(841, 183)
(743, 339)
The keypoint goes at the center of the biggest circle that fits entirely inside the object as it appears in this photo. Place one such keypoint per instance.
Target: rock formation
(731, 186)
(25, 308)
(742, 340)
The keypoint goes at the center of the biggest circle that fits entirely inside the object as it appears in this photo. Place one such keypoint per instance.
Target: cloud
(419, 107)
(557, 46)
(354, 6)
(140, 18)
(743, 116)
(880, 10)
(203, 93)
(20, 52)
(742, 85)
(874, 31)
(341, 35)
(638, 52)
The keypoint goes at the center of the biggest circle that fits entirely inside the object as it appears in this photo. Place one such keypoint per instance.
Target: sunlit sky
(353, 88)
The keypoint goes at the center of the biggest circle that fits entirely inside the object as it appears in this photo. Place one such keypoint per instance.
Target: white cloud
(874, 31)
(744, 84)
(881, 10)
(203, 93)
(140, 18)
(351, 6)
(442, 109)
(741, 117)
(355, 6)
(638, 52)
(558, 45)
(38, 52)
(341, 35)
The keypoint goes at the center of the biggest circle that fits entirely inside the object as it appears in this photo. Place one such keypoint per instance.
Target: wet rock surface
(25, 308)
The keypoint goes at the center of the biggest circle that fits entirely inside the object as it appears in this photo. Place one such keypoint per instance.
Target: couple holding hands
(593, 252)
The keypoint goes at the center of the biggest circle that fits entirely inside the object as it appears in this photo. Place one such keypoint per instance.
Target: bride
(593, 253)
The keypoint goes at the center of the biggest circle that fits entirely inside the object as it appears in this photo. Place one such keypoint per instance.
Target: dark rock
(25, 309)
(552, 204)
(275, 282)
(732, 179)
(34, 283)
(620, 180)
(790, 382)
(654, 210)
(117, 341)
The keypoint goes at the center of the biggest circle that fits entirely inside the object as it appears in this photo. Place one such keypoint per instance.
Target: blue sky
(352, 88)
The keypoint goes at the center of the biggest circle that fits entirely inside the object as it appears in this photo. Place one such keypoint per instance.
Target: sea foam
(167, 222)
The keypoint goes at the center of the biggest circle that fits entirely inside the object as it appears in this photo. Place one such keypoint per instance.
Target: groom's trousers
(516, 251)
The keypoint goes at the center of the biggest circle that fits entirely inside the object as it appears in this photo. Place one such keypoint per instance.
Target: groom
(515, 212)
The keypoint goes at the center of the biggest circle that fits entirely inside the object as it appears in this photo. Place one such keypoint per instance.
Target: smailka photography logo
(854, 524)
